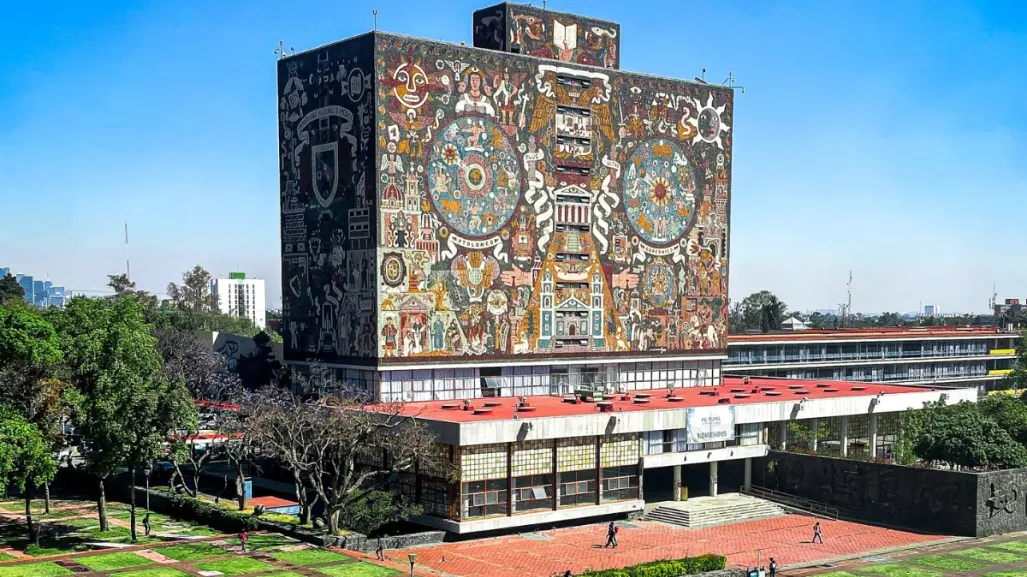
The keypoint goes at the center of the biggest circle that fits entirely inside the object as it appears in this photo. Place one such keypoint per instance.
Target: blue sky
(889, 138)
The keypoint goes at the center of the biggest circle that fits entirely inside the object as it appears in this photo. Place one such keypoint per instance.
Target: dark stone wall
(328, 187)
(931, 500)
(547, 34)
(534, 207)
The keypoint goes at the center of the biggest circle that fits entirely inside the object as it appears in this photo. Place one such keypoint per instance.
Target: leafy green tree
(963, 436)
(125, 287)
(10, 290)
(25, 458)
(1009, 412)
(30, 356)
(801, 435)
(127, 407)
(762, 311)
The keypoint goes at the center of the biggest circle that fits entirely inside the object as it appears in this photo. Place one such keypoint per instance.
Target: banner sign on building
(710, 424)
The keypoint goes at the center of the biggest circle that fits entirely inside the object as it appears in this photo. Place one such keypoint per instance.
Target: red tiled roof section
(733, 391)
(271, 502)
(869, 334)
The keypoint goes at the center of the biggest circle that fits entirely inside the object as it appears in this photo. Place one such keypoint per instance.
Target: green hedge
(667, 568)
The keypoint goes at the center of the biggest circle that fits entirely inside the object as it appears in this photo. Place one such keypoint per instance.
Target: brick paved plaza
(553, 552)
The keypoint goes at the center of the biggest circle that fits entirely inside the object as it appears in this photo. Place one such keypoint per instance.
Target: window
(436, 499)
(533, 492)
(620, 483)
(484, 498)
(578, 488)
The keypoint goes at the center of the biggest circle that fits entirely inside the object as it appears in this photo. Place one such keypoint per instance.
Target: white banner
(710, 424)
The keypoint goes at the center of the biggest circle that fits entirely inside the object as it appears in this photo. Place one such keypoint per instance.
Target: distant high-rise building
(39, 293)
(241, 297)
(931, 311)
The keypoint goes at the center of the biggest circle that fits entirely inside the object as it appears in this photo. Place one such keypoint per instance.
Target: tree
(802, 436)
(205, 375)
(127, 407)
(194, 294)
(10, 290)
(818, 321)
(282, 427)
(260, 368)
(762, 311)
(961, 435)
(1009, 413)
(351, 433)
(30, 356)
(125, 287)
(25, 458)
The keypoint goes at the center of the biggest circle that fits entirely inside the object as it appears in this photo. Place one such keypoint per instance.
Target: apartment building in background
(239, 296)
(949, 356)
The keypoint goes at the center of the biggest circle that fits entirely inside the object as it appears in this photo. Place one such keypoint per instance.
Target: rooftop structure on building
(527, 248)
(949, 356)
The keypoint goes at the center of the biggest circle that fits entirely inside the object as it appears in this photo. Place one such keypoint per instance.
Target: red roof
(759, 390)
(870, 334)
(271, 502)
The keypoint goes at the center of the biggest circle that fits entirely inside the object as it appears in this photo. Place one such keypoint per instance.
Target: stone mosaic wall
(531, 207)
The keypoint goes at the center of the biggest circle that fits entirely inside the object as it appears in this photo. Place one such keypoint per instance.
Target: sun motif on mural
(709, 123)
(473, 177)
(660, 191)
(410, 81)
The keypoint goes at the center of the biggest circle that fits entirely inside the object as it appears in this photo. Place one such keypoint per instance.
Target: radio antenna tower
(994, 299)
(128, 267)
(846, 307)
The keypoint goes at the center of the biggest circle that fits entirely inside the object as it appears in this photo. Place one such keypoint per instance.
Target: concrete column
(873, 435)
(747, 479)
(814, 428)
(784, 436)
(713, 478)
(677, 482)
(845, 436)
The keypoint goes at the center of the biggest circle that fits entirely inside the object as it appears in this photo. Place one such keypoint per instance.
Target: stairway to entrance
(710, 511)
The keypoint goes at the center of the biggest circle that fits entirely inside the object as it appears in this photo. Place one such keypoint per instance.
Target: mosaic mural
(326, 148)
(531, 207)
(548, 34)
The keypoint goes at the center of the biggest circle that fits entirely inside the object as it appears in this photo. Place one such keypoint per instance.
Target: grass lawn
(360, 569)
(837, 574)
(84, 523)
(942, 562)
(34, 570)
(158, 572)
(988, 555)
(263, 542)
(37, 551)
(109, 561)
(896, 570)
(286, 574)
(1016, 546)
(235, 566)
(5, 556)
(309, 556)
(190, 551)
(1007, 573)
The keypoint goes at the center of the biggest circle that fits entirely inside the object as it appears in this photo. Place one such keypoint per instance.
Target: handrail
(792, 501)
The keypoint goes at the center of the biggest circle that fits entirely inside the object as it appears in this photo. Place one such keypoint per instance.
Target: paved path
(553, 552)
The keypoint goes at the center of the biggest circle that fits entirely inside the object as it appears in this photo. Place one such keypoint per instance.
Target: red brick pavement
(579, 548)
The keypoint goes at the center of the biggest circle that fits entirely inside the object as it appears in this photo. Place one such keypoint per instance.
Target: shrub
(666, 568)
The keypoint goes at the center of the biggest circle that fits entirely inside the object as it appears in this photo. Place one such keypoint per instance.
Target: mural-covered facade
(520, 208)
(529, 207)
(547, 34)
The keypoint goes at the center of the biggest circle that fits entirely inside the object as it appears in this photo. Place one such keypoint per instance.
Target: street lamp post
(413, 559)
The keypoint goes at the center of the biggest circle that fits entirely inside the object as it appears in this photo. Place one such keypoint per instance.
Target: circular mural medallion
(660, 191)
(393, 269)
(658, 283)
(473, 177)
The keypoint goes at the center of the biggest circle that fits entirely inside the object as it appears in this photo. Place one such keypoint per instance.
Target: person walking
(773, 567)
(243, 538)
(379, 552)
(611, 536)
(146, 524)
(817, 535)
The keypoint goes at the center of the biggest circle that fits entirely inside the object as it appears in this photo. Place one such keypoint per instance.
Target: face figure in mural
(410, 85)
(660, 191)
(474, 93)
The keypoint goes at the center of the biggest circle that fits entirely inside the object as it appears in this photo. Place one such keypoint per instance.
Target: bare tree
(281, 426)
(356, 449)
(217, 390)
